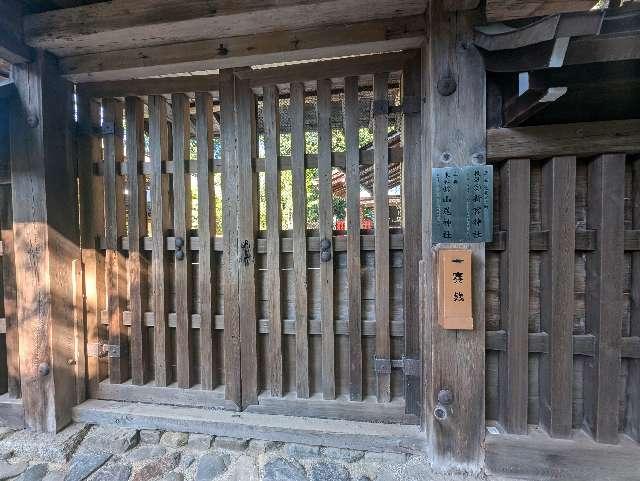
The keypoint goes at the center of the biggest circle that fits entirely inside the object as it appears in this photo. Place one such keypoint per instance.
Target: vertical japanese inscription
(462, 204)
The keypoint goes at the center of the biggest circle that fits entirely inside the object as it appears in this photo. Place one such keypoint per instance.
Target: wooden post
(46, 241)
(412, 206)
(557, 302)
(632, 422)
(604, 308)
(514, 296)
(453, 134)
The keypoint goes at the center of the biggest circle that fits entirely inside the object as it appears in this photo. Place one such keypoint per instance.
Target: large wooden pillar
(45, 228)
(453, 135)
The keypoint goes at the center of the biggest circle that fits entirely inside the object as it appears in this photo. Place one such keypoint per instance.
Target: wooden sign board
(454, 289)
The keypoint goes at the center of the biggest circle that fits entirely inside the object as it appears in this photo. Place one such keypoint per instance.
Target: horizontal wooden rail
(311, 162)
(586, 240)
(578, 139)
(367, 243)
(583, 344)
(288, 325)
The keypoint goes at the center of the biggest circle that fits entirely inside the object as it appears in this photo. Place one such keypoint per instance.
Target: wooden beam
(501, 10)
(580, 139)
(521, 108)
(456, 442)
(12, 48)
(154, 86)
(537, 456)
(46, 241)
(565, 51)
(115, 25)
(267, 48)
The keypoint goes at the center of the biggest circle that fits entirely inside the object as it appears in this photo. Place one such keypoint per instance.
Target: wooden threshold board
(324, 432)
(537, 456)
(367, 410)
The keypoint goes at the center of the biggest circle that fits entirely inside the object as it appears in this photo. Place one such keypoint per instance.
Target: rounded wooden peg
(44, 369)
(445, 397)
(447, 86)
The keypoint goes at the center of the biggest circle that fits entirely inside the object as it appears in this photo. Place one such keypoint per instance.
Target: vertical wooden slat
(299, 194)
(325, 221)
(182, 222)
(233, 391)
(136, 231)
(79, 337)
(454, 125)
(247, 224)
(354, 286)
(411, 216)
(557, 302)
(159, 151)
(206, 232)
(381, 207)
(114, 215)
(604, 306)
(274, 222)
(9, 292)
(632, 421)
(10, 350)
(514, 295)
(91, 226)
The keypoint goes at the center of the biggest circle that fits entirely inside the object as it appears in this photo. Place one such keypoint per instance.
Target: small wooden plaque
(455, 301)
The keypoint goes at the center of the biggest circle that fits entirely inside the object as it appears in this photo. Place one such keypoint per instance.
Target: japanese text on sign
(462, 204)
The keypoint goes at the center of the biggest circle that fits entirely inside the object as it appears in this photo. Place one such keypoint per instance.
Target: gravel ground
(106, 453)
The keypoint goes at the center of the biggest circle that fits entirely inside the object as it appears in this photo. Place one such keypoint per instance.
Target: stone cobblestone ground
(106, 453)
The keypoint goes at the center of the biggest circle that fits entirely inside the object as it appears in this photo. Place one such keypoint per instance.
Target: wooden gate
(251, 239)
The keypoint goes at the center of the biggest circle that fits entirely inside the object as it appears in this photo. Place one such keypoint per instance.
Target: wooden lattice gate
(251, 239)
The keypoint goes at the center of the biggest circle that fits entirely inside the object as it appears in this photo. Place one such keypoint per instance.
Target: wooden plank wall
(245, 317)
(578, 296)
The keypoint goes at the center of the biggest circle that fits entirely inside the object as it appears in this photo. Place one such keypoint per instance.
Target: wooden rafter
(501, 10)
(117, 25)
(567, 39)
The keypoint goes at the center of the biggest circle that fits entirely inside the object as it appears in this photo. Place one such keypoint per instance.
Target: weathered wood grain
(114, 225)
(456, 358)
(206, 232)
(579, 139)
(246, 145)
(557, 301)
(299, 197)
(501, 10)
(354, 286)
(330, 41)
(411, 228)
(271, 111)
(381, 207)
(632, 421)
(514, 295)
(11, 381)
(230, 277)
(181, 227)
(46, 243)
(91, 203)
(160, 219)
(137, 229)
(604, 296)
(325, 224)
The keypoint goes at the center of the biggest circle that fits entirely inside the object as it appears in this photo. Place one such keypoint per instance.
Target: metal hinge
(100, 350)
(411, 367)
